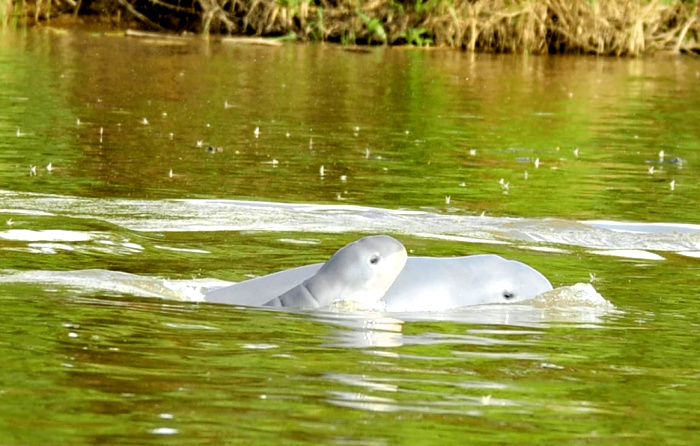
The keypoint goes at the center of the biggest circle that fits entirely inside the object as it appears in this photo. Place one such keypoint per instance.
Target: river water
(135, 173)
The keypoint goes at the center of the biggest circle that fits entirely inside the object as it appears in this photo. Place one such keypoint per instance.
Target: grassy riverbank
(612, 27)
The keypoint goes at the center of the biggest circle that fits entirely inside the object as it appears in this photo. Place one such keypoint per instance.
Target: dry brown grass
(610, 27)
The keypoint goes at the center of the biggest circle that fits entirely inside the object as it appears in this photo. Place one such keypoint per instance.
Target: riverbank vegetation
(611, 27)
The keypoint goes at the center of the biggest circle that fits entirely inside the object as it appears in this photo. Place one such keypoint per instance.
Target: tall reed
(610, 27)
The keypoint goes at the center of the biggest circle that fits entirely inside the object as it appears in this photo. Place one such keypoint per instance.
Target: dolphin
(424, 284)
(359, 272)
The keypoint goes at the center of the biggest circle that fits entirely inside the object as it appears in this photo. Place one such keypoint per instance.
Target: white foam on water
(577, 295)
(164, 431)
(49, 248)
(644, 228)
(694, 254)
(24, 212)
(90, 280)
(170, 248)
(629, 254)
(300, 241)
(189, 292)
(49, 235)
(545, 249)
(457, 238)
(133, 246)
(239, 215)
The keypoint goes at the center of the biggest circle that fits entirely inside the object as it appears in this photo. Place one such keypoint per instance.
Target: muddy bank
(616, 27)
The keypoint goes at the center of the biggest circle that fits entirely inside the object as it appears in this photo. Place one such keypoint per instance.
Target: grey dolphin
(424, 284)
(359, 272)
(444, 283)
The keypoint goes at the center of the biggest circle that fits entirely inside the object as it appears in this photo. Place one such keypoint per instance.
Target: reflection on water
(391, 128)
(178, 168)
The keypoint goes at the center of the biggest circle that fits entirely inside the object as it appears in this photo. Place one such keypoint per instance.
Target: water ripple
(627, 239)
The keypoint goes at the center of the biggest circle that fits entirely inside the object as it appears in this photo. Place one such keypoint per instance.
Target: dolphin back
(261, 290)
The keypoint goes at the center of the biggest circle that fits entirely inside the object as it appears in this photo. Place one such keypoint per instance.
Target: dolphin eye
(508, 295)
(374, 259)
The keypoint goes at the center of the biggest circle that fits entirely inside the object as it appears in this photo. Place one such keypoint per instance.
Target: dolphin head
(444, 283)
(508, 281)
(360, 272)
